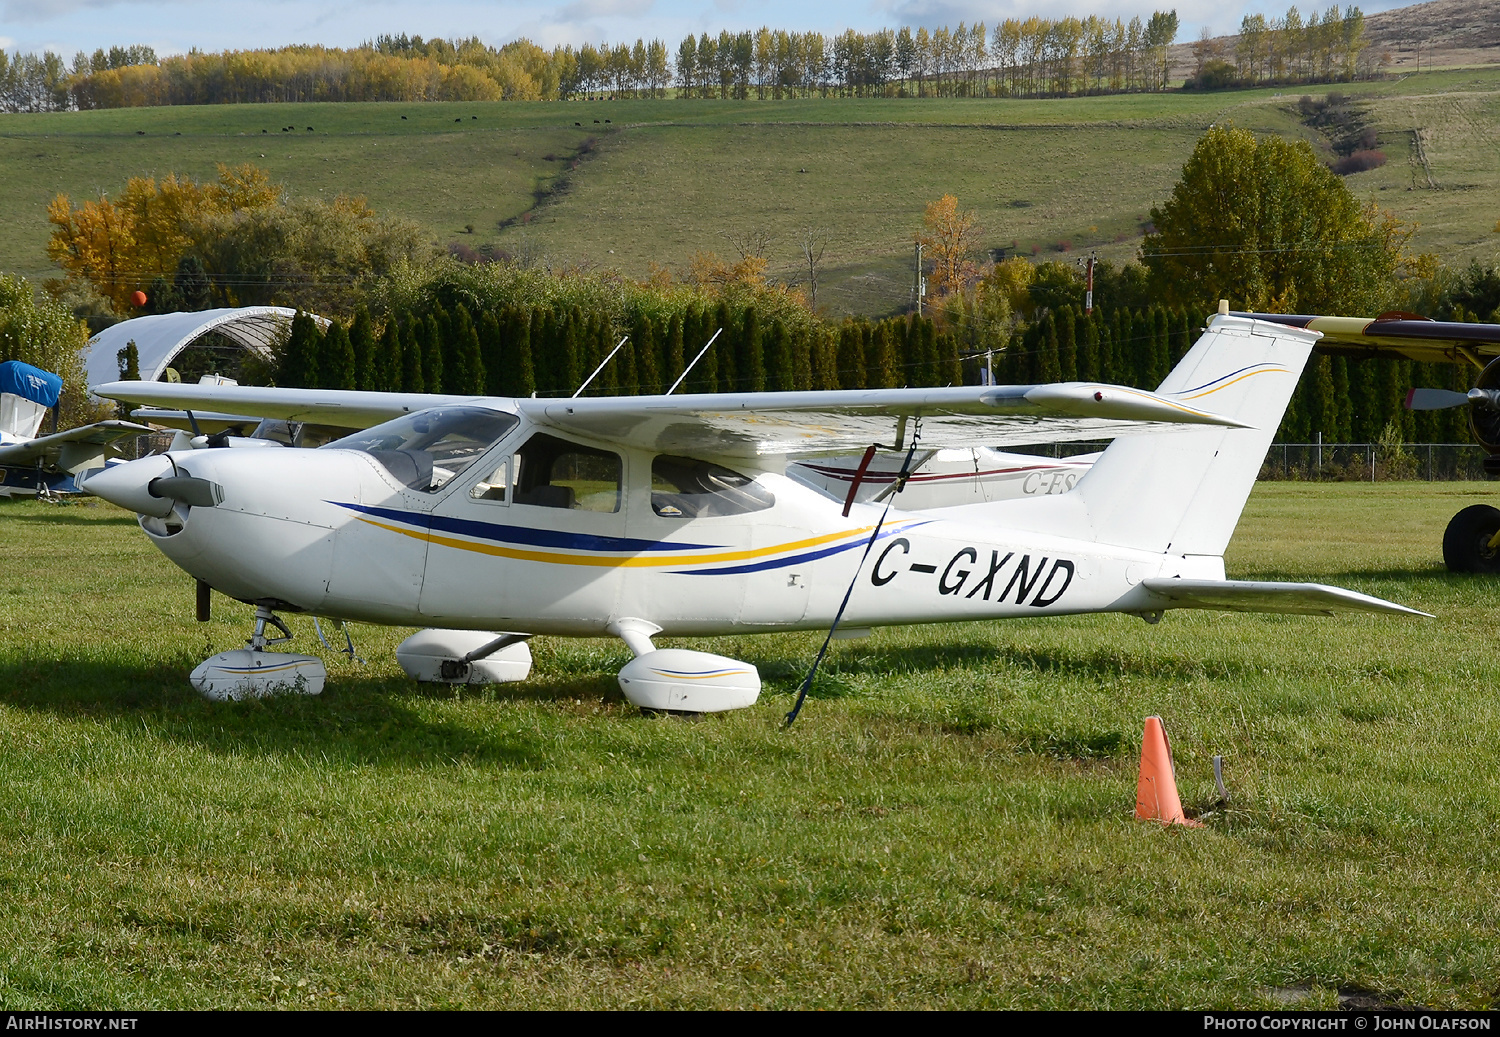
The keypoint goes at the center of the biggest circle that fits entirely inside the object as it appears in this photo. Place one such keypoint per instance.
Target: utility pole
(921, 283)
(1088, 295)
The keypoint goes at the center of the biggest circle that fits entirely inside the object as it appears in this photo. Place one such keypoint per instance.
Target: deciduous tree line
(1022, 57)
(1291, 49)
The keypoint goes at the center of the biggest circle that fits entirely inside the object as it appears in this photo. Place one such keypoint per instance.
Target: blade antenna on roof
(607, 359)
(839, 615)
(689, 367)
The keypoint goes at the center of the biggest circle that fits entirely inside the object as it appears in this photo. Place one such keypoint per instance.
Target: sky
(175, 26)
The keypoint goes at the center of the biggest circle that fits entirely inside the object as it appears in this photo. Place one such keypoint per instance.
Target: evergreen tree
(950, 364)
(362, 340)
(886, 368)
(463, 370)
(672, 348)
(431, 331)
(1363, 397)
(851, 356)
(129, 360)
(544, 347)
(519, 376)
(1343, 406)
(1048, 367)
(1088, 348)
(570, 365)
(1322, 408)
(1067, 344)
(387, 359)
(647, 355)
(750, 357)
(492, 349)
(336, 365)
(628, 382)
(299, 360)
(781, 374)
(411, 357)
(723, 369)
(802, 359)
(825, 357)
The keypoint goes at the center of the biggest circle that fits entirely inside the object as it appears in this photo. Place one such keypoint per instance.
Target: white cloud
(581, 9)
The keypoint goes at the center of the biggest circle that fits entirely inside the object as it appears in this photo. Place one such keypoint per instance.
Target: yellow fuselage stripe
(637, 561)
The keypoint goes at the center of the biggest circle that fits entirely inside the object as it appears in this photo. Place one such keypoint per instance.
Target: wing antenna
(689, 367)
(607, 359)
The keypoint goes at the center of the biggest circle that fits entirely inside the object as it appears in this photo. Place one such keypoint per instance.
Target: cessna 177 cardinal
(491, 520)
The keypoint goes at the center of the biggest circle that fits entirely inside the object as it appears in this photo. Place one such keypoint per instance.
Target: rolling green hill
(656, 181)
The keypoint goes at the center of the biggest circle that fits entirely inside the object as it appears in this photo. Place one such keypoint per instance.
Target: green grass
(947, 825)
(669, 178)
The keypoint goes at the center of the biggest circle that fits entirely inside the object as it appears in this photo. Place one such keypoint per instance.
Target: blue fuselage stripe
(502, 534)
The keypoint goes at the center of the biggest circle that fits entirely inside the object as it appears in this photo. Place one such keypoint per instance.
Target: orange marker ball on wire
(138, 298)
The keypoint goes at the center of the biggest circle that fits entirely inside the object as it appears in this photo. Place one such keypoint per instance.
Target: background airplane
(1471, 543)
(492, 520)
(32, 465)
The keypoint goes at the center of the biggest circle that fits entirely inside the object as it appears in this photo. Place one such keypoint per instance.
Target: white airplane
(492, 520)
(32, 465)
(942, 478)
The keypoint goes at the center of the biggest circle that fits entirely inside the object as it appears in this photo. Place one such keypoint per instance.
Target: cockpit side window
(427, 449)
(683, 487)
(553, 473)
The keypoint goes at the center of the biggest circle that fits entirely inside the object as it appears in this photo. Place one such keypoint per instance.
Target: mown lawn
(947, 825)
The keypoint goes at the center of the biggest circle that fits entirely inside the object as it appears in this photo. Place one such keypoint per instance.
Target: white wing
(804, 424)
(341, 407)
(49, 449)
(743, 425)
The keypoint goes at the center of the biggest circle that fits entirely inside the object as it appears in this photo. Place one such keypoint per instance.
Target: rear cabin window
(553, 473)
(682, 487)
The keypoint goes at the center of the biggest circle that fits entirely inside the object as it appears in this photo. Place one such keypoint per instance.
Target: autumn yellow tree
(119, 246)
(950, 239)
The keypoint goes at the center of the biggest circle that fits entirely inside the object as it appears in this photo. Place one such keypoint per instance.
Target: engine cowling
(1484, 417)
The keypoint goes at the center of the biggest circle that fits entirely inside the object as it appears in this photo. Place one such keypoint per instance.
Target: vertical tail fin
(1182, 491)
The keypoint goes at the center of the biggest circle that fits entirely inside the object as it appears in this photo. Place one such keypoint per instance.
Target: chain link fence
(1374, 462)
(1344, 462)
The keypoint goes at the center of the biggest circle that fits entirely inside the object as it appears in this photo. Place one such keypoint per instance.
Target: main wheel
(1466, 543)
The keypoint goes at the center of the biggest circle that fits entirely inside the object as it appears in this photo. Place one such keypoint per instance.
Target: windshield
(426, 449)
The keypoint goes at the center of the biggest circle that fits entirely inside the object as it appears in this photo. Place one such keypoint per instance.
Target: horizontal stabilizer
(1304, 599)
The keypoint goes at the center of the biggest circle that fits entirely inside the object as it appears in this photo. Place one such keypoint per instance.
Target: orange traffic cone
(1156, 792)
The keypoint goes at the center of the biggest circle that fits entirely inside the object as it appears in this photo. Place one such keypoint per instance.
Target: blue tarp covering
(31, 383)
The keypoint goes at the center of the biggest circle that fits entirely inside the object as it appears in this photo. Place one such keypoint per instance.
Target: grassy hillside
(947, 825)
(659, 180)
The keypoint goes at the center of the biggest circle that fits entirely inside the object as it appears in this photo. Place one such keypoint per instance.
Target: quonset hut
(160, 338)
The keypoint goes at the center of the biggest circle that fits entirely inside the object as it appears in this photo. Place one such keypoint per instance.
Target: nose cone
(128, 485)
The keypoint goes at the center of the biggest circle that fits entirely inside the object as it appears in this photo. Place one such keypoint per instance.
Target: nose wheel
(252, 672)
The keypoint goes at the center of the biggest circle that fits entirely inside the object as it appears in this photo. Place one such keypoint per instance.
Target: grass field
(947, 825)
(667, 178)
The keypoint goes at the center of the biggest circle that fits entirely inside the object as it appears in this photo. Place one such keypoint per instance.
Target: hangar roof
(159, 338)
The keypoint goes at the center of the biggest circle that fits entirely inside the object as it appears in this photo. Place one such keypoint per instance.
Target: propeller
(1434, 399)
(1442, 399)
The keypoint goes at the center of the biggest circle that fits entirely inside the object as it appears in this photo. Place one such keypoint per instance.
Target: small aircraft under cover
(31, 465)
(491, 520)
